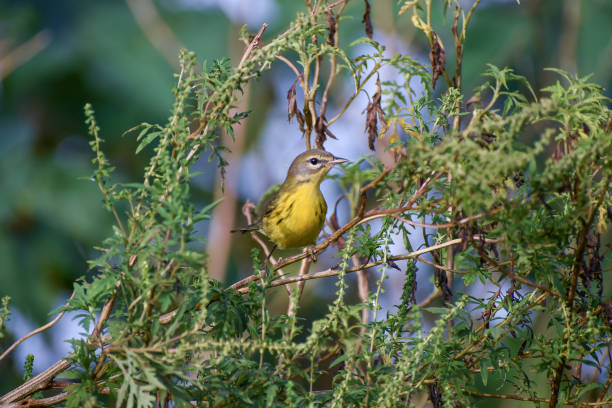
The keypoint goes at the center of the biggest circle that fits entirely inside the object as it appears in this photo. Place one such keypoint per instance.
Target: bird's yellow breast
(298, 216)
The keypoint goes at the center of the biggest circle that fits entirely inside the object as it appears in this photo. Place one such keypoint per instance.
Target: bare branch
(39, 330)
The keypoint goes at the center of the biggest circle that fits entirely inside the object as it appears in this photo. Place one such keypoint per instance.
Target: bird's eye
(314, 161)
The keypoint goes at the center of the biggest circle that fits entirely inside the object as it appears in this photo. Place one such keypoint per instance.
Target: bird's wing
(264, 207)
(268, 201)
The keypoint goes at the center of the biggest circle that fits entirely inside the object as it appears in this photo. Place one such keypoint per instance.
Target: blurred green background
(120, 56)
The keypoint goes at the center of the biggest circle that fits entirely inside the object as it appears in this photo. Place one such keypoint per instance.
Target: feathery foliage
(507, 188)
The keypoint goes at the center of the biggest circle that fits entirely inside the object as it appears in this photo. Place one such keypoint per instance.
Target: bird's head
(312, 166)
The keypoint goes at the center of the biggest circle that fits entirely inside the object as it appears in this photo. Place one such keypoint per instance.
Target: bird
(294, 215)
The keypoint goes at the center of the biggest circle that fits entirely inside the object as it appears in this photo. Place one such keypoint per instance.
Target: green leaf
(339, 360)
(484, 371)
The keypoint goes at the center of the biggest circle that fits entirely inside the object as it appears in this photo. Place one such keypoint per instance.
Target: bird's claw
(311, 253)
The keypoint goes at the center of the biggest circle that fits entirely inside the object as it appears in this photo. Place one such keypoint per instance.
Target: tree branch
(39, 330)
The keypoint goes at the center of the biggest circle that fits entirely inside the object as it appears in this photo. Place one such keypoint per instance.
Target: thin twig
(157, 31)
(337, 2)
(334, 271)
(357, 219)
(303, 271)
(432, 296)
(247, 210)
(42, 380)
(357, 92)
(254, 43)
(533, 399)
(39, 330)
(504, 396)
(294, 69)
(23, 53)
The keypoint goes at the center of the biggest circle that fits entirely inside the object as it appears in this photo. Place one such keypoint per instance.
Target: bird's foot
(311, 253)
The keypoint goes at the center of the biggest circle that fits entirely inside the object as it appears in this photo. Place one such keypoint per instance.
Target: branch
(334, 271)
(511, 275)
(36, 383)
(39, 330)
(504, 396)
(23, 53)
(581, 243)
(255, 42)
(299, 75)
(43, 402)
(358, 219)
(533, 399)
(357, 92)
(157, 31)
(447, 225)
(247, 209)
(42, 380)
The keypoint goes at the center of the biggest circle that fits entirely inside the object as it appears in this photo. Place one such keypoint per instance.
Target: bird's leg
(268, 260)
(271, 252)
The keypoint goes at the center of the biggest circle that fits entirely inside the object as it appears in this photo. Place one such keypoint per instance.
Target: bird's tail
(251, 227)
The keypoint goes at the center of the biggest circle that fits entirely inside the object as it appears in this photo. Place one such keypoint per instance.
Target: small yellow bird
(295, 214)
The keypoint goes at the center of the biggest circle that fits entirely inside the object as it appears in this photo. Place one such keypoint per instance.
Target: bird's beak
(336, 160)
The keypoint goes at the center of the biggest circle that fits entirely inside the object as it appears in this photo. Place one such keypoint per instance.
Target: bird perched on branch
(293, 216)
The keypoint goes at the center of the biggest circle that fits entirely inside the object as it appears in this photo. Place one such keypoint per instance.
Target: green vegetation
(507, 186)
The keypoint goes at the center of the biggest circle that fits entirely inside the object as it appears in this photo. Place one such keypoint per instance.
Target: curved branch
(157, 31)
(334, 271)
(42, 380)
(358, 219)
(36, 331)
